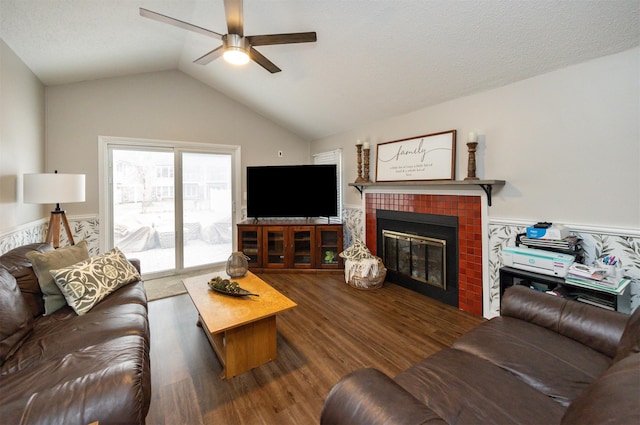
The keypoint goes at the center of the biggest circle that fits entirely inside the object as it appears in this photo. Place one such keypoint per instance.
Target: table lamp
(54, 189)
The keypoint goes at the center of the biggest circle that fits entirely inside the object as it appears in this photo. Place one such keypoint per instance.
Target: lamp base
(53, 232)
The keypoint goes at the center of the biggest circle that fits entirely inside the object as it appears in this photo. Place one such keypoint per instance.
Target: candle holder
(365, 178)
(359, 179)
(471, 174)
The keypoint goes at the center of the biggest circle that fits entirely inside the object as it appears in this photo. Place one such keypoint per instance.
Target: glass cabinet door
(250, 242)
(276, 244)
(302, 239)
(329, 246)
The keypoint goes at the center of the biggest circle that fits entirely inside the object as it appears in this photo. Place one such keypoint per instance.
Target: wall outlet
(280, 154)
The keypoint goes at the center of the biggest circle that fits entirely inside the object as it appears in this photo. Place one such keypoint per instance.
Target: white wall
(567, 143)
(21, 138)
(162, 105)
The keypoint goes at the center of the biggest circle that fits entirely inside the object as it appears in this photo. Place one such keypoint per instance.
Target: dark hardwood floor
(334, 330)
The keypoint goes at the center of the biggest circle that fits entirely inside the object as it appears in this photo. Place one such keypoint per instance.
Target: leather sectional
(64, 368)
(545, 360)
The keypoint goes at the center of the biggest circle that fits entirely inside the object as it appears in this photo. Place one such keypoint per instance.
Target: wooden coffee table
(241, 330)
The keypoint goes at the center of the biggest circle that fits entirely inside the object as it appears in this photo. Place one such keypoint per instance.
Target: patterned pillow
(356, 252)
(87, 283)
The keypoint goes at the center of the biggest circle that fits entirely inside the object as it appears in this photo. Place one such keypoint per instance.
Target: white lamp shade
(53, 188)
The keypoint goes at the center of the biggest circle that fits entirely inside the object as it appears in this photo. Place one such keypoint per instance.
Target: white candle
(358, 142)
(473, 137)
(365, 145)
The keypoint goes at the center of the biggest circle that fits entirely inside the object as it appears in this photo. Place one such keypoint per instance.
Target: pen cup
(618, 271)
(614, 270)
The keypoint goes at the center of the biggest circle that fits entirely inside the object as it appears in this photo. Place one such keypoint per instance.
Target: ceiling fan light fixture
(236, 49)
(236, 56)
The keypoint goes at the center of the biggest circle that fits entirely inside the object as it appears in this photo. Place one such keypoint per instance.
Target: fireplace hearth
(420, 252)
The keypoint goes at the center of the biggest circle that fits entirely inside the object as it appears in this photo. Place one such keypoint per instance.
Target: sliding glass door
(171, 207)
(206, 208)
(143, 206)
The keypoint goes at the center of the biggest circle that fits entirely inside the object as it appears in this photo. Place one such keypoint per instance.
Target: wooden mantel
(486, 185)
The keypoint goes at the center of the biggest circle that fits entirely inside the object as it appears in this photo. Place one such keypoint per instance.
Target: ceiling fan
(236, 47)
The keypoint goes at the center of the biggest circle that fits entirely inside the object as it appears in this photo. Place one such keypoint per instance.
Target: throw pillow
(87, 283)
(44, 262)
(15, 317)
(356, 252)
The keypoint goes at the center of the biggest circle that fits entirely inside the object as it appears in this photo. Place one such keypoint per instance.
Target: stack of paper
(568, 243)
(595, 278)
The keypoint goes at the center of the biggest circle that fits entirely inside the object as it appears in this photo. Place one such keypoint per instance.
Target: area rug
(164, 287)
(170, 286)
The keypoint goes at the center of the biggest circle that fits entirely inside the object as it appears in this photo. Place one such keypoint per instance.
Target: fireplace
(467, 209)
(420, 252)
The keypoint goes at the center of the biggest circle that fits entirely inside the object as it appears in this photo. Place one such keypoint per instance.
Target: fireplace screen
(419, 257)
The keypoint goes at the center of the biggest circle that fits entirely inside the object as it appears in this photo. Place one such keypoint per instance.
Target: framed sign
(428, 157)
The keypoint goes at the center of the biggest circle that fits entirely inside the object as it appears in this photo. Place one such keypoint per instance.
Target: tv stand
(291, 245)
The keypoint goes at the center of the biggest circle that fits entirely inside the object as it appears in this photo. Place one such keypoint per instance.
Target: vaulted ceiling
(373, 59)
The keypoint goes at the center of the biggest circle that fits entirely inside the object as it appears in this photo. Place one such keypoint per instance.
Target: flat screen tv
(292, 191)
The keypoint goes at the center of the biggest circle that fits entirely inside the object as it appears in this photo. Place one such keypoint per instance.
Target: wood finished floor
(334, 330)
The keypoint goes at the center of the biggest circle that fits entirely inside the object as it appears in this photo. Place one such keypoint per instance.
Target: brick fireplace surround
(469, 213)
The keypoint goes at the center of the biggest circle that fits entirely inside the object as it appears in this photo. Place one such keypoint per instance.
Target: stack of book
(595, 278)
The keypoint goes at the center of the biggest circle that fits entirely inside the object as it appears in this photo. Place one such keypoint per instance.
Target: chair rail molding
(82, 227)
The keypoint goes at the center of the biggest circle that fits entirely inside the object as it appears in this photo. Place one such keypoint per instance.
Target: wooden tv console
(291, 245)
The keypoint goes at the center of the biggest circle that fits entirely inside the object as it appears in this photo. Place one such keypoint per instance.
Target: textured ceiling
(373, 59)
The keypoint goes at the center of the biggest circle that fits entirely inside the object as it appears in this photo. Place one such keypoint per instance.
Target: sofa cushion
(44, 262)
(16, 263)
(630, 341)
(614, 398)
(464, 389)
(16, 321)
(595, 327)
(557, 366)
(107, 382)
(121, 313)
(87, 283)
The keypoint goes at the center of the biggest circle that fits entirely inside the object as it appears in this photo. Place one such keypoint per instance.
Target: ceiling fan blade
(235, 20)
(209, 57)
(258, 58)
(178, 23)
(298, 37)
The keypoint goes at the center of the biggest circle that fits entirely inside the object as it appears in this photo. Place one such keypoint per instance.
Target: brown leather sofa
(545, 360)
(69, 369)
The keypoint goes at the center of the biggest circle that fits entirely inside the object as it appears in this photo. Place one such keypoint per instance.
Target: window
(333, 157)
(164, 171)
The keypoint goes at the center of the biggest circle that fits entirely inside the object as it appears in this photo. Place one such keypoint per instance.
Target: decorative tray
(240, 292)
(228, 287)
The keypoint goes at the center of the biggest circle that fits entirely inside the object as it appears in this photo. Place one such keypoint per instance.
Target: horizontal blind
(328, 158)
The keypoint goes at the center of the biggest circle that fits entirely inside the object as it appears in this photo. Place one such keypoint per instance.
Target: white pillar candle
(358, 142)
(365, 145)
(473, 137)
